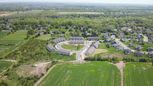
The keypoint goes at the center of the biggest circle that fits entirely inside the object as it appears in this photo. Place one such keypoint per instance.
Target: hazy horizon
(149, 2)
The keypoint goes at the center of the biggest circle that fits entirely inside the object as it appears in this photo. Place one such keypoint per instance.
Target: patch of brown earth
(34, 69)
(5, 13)
(121, 66)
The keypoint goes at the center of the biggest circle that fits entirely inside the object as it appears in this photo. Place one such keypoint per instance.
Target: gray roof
(50, 48)
(59, 40)
(93, 38)
(96, 44)
(90, 50)
(76, 38)
(64, 52)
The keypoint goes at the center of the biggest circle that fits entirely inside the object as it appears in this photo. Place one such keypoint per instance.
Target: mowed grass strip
(72, 47)
(138, 74)
(19, 35)
(4, 65)
(12, 39)
(88, 74)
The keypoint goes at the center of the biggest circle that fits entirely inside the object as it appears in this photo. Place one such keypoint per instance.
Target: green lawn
(146, 46)
(111, 50)
(3, 34)
(72, 47)
(44, 37)
(9, 42)
(4, 65)
(138, 74)
(19, 35)
(88, 74)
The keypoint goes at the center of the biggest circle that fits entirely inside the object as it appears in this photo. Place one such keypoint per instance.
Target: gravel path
(121, 66)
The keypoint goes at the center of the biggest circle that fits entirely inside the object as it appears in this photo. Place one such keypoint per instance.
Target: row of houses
(76, 40)
(60, 51)
(64, 52)
(92, 48)
(58, 40)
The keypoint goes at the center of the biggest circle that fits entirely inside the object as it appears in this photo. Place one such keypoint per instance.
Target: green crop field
(44, 37)
(4, 65)
(88, 74)
(72, 47)
(138, 74)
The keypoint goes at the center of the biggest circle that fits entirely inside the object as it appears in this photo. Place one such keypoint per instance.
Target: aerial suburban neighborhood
(76, 43)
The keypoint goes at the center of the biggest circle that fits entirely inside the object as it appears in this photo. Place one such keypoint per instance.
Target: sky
(87, 1)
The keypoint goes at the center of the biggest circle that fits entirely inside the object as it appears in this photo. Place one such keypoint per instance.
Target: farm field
(4, 65)
(44, 37)
(87, 74)
(72, 47)
(138, 74)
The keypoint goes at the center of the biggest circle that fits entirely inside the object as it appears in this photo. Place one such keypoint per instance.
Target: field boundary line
(121, 66)
(43, 77)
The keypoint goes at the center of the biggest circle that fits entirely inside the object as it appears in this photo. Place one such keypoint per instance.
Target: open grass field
(138, 74)
(2, 34)
(4, 65)
(72, 47)
(44, 37)
(99, 51)
(87, 74)
(19, 35)
(110, 50)
(11, 41)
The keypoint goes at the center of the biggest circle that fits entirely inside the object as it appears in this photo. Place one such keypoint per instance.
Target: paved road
(80, 55)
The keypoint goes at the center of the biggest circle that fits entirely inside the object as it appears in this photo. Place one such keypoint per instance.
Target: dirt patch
(5, 14)
(121, 66)
(34, 69)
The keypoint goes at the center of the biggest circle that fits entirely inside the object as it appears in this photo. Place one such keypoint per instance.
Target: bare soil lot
(5, 13)
(34, 69)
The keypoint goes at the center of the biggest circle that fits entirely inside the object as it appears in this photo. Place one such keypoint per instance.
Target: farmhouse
(76, 40)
